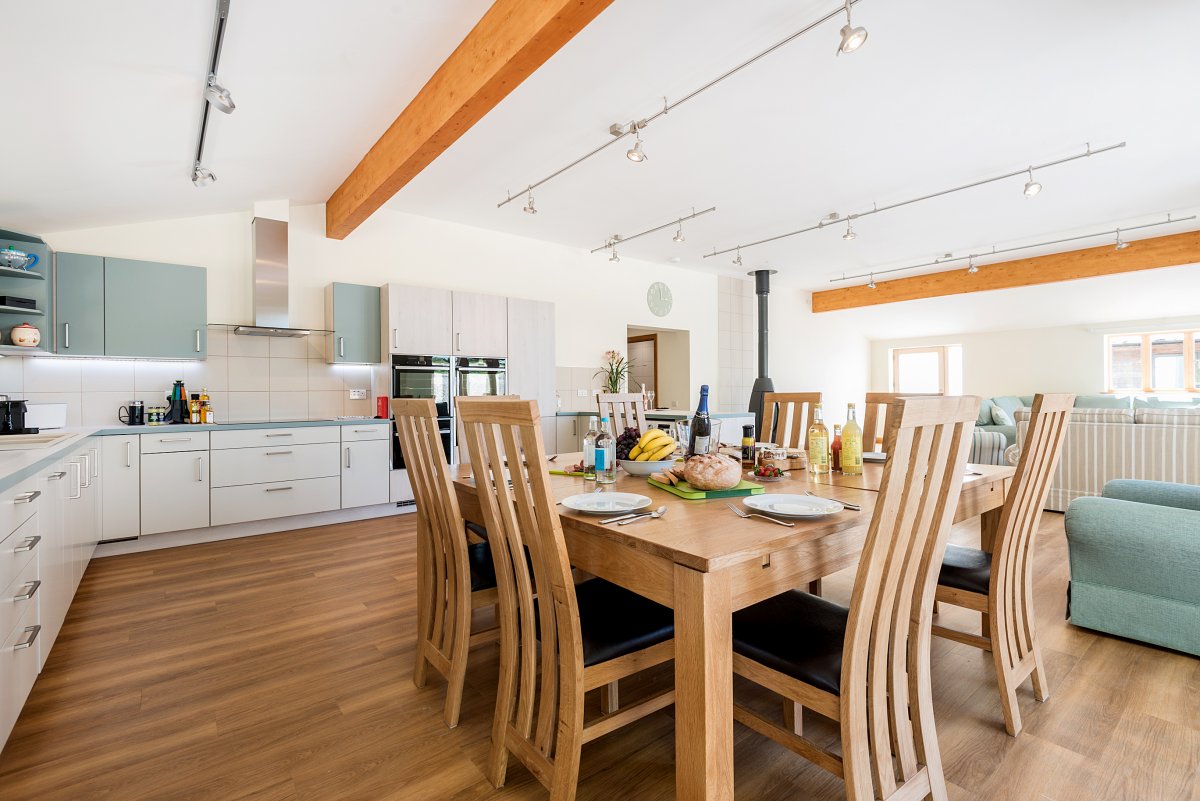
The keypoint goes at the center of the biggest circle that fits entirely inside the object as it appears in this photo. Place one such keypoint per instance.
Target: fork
(748, 515)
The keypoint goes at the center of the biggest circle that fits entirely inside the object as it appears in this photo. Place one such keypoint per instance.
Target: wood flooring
(278, 668)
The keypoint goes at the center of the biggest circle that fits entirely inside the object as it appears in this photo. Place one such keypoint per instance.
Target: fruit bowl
(635, 468)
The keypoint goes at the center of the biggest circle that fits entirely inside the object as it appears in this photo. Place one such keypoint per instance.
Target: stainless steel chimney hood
(270, 239)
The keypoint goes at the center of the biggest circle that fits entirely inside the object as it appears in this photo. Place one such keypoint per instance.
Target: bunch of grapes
(626, 441)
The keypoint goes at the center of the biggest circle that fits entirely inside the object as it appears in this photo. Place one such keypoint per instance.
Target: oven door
(481, 377)
(423, 377)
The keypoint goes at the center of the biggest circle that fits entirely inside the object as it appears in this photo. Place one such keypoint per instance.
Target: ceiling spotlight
(201, 175)
(678, 234)
(529, 207)
(614, 256)
(1121, 243)
(852, 38)
(635, 153)
(971, 268)
(1032, 187)
(849, 232)
(218, 95)
(738, 258)
(871, 283)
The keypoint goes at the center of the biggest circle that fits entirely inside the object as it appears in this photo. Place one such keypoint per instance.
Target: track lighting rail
(201, 176)
(618, 239)
(971, 258)
(876, 209)
(619, 133)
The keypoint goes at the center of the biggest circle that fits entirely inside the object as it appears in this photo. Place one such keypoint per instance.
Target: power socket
(358, 394)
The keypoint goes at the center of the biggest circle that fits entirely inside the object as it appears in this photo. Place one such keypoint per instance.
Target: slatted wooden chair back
(875, 413)
(786, 418)
(624, 410)
(889, 744)
(460, 450)
(539, 703)
(443, 573)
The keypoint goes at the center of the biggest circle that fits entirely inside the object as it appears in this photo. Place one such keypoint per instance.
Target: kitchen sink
(23, 442)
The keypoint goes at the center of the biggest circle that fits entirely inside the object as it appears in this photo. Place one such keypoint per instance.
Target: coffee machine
(12, 417)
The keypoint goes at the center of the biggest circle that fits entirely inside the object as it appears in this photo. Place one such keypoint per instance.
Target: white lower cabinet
(18, 668)
(231, 468)
(174, 491)
(121, 464)
(366, 472)
(248, 502)
(57, 569)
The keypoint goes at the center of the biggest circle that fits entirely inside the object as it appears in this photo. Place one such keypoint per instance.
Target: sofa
(1000, 413)
(1135, 562)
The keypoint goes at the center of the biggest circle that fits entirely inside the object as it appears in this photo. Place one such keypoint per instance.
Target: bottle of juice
(852, 445)
(818, 444)
(835, 450)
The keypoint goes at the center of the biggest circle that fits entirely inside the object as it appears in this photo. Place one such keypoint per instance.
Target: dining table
(705, 562)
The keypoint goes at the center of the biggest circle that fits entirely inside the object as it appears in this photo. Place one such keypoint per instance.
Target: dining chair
(875, 411)
(1000, 584)
(454, 576)
(459, 450)
(786, 418)
(867, 665)
(570, 638)
(624, 410)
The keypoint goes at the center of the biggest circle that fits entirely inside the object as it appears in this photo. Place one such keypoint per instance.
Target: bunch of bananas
(655, 445)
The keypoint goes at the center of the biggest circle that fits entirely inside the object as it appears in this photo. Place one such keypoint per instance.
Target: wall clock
(658, 298)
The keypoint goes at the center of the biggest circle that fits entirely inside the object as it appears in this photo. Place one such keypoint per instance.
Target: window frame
(942, 352)
(1190, 336)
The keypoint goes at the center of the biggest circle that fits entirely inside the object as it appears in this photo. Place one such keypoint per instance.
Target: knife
(619, 517)
(853, 507)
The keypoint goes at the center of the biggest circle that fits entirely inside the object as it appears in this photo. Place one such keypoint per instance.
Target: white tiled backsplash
(737, 357)
(248, 378)
(570, 382)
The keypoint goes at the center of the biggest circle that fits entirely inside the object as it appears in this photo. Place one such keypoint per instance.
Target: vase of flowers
(615, 371)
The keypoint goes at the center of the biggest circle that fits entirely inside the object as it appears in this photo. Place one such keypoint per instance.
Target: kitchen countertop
(18, 465)
(664, 414)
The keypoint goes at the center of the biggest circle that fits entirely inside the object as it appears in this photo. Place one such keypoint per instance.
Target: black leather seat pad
(483, 569)
(966, 569)
(797, 634)
(614, 621)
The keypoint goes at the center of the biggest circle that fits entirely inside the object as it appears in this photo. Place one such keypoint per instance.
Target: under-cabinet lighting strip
(971, 257)
(617, 239)
(669, 107)
(876, 209)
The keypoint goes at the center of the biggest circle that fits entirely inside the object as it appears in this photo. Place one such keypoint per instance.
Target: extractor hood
(270, 239)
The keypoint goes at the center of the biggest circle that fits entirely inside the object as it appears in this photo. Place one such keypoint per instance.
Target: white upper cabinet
(531, 358)
(417, 321)
(480, 325)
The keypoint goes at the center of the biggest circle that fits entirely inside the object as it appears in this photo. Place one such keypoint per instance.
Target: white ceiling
(944, 92)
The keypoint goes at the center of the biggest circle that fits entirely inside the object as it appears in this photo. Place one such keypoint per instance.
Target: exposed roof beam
(1142, 254)
(505, 47)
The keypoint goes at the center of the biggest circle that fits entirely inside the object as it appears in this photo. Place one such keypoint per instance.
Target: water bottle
(589, 449)
(606, 455)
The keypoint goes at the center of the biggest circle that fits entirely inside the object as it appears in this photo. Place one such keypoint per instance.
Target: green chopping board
(685, 490)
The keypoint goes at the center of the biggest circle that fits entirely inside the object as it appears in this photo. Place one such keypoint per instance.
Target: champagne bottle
(589, 450)
(852, 445)
(818, 444)
(700, 435)
(606, 455)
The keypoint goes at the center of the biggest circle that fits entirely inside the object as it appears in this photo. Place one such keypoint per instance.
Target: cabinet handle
(199, 468)
(174, 439)
(85, 471)
(347, 458)
(129, 454)
(28, 591)
(78, 481)
(364, 431)
(66, 335)
(278, 489)
(458, 342)
(396, 338)
(280, 435)
(31, 635)
(61, 474)
(278, 453)
(95, 463)
(28, 545)
(342, 347)
(28, 497)
(197, 340)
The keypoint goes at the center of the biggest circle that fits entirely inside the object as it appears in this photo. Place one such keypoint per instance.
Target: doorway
(660, 358)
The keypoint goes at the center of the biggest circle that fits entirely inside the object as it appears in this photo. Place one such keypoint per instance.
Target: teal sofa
(1009, 404)
(1135, 562)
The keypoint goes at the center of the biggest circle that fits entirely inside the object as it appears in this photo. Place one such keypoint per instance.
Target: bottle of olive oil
(852, 445)
(818, 444)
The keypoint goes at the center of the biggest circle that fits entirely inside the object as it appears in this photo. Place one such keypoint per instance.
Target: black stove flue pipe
(762, 384)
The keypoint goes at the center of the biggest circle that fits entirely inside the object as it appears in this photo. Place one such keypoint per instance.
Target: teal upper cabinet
(78, 303)
(352, 313)
(157, 311)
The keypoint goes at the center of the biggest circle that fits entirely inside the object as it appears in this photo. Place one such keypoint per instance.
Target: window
(1153, 362)
(932, 370)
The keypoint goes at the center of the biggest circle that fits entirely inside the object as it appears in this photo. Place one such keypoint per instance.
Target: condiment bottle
(748, 445)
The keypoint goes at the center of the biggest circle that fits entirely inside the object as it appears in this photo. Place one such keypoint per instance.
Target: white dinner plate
(606, 503)
(782, 505)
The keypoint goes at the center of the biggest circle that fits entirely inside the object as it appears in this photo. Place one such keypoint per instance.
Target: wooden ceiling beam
(1143, 254)
(505, 47)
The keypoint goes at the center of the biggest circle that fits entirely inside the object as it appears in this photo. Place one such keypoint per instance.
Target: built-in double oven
(442, 378)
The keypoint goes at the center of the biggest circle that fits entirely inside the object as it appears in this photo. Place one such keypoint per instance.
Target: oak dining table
(705, 563)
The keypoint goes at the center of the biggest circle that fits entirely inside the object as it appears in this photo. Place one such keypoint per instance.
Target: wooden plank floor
(278, 668)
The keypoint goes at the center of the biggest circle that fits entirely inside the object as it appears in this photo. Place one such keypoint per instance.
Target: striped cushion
(987, 447)
(1168, 417)
(1118, 416)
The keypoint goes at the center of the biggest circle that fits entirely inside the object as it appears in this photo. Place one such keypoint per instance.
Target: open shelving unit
(33, 284)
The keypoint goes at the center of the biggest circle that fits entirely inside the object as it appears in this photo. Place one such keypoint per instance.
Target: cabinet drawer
(277, 499)
(16, 506)
(175, 441)
(17, 550)
(261, 437)
(18, 668)
(13, 603)
(276, 463)
(366, 431)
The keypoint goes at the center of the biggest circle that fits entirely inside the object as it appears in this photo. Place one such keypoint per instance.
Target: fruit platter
(643, 454)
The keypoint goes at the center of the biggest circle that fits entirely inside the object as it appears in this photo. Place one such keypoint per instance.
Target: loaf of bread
(712, 472)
